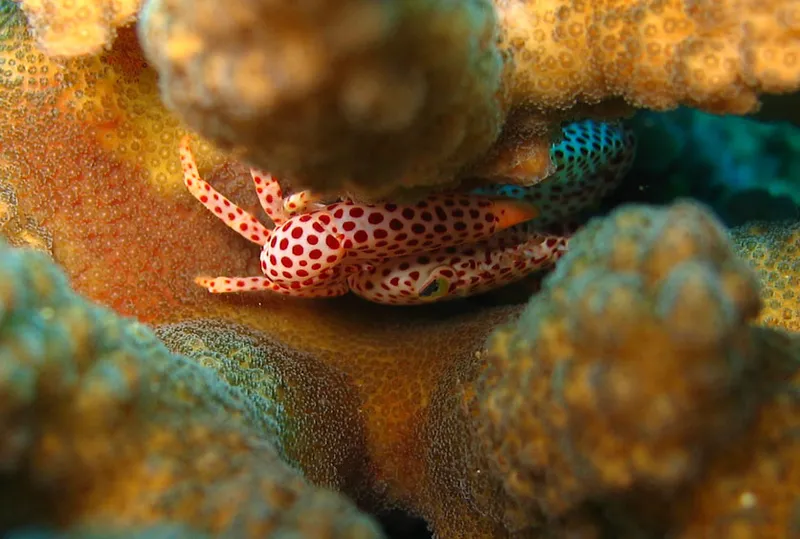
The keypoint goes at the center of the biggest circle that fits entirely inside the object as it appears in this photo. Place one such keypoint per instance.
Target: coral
(325, 438)
(773, 250)
(373, 401)
(101, 427)
(385, 111)
(310, 99)
(750, 490)
(76, 27)
(104, 180)
(718, 56)
(665, 277)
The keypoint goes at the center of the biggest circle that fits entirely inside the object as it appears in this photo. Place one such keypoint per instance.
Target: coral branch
(77, 27)
(714, 55)
(100, 426)
(339, 94)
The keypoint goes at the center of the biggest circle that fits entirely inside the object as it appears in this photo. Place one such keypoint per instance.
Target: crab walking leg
(229, 213)
(223, 285)
(270, 195)
(461, 271)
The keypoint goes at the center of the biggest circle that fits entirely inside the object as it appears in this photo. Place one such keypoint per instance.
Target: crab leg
(229, 213)
(222, 285)
(378, 231)
(459, 271)
(270, 195)
(278, 208)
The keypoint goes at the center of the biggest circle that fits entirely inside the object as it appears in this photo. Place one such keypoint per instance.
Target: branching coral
(773, 249)
(100, 427)
(90, 153)
(385, 110)
(601, 413)
(390, 407)
(310, 404)
(715, 55)
(568, 425)
(76, 27)
(750, 488)
(369, 97)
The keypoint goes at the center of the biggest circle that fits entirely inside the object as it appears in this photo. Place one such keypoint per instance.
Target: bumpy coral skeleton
(395, 95)
(445, 246)
(77, 27)
(383, 405)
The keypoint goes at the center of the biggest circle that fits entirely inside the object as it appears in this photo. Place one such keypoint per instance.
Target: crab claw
(511, 212)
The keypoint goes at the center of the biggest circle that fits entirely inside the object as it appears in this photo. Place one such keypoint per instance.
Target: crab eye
(435, 289)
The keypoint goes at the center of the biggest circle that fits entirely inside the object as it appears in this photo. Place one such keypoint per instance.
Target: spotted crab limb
(229, 213)
(224, 285)
(380, 231)
(459, 271)
(270, 195)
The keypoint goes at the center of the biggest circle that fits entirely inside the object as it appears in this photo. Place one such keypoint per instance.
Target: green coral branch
(101, 427)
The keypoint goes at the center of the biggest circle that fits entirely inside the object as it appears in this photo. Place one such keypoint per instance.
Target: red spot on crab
(332, 242)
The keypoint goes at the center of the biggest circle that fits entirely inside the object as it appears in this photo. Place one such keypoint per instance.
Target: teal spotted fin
(590, 161)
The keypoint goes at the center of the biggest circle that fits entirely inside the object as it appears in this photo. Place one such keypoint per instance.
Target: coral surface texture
(616, 358)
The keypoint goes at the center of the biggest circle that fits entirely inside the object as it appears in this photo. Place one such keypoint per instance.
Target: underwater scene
(408, 269)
